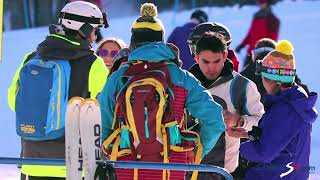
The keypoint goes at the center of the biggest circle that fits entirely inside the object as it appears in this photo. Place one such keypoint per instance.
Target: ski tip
(92, 102)
(76, 100)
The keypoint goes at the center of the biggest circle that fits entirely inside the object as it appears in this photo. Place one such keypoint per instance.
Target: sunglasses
(104, 53)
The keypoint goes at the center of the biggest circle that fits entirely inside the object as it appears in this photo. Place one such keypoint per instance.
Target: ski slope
(300, 23)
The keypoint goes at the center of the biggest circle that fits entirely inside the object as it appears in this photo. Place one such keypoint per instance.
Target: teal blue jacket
(198, 101)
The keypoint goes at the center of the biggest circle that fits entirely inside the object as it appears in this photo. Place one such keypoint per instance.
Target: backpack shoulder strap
(13, 88)
(31, 56)
(238, 94)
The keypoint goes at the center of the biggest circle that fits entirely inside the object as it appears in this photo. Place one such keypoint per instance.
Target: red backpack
(144, 123)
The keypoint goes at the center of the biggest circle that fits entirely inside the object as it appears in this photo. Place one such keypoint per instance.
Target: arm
(273, 24)
(249, 33)
(254, 107)
(201, 105)
(107, 106)
(279, 127)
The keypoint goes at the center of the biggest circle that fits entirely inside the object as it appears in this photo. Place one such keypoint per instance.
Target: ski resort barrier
(124, 164)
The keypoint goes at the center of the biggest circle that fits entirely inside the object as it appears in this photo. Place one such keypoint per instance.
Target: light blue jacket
(198, 101)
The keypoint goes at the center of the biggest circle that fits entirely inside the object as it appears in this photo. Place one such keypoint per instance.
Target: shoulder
(95, 61)
(281, 106)
(240, 79)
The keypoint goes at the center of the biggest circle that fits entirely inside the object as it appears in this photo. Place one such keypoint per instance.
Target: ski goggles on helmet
(100, 22)
(259, 50)
(105, 52)
(193, 48)
(276, 71)
(105, 20)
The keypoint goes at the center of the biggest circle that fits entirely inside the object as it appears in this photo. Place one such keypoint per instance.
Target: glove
(238, 48)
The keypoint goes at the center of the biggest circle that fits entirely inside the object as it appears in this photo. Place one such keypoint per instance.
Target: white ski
(74, 161)
(90, 131)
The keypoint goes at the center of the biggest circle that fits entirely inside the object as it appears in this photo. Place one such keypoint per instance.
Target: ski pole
(124, 164)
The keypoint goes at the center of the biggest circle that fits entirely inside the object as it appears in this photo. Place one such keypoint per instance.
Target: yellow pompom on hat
(147, 28)
(279, 65)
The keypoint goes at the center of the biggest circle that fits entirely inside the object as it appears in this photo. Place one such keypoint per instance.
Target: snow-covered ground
(300, 23)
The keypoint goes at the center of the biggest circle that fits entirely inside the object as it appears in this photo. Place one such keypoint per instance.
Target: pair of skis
(83, 138)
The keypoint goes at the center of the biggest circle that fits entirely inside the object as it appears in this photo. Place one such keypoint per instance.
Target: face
(107, 51)
(270, 86)
(211, 63)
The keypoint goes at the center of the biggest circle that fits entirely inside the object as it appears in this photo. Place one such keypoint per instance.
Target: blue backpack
(41, 99)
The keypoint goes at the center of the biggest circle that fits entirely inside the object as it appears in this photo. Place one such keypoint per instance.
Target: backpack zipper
(58, 94)
(146, 126)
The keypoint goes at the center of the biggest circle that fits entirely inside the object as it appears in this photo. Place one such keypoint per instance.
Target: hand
(237, 132)
(230, 119)
(238, 48)
(190, 157)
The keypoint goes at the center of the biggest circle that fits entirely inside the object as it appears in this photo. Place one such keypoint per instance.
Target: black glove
(238, 48)
(105, 171)
(255, 133)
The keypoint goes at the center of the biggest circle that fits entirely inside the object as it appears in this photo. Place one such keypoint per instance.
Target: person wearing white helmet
(69, 40)
(83, 17)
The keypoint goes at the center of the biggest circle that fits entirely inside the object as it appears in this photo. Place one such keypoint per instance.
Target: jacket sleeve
(97, 77)
(279, 127)
(201, 105)
(107, 105)
(254, 107)
(273, 24)
(14, 85)
(249, 33)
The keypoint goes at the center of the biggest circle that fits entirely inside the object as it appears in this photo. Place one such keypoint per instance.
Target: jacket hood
(152, 52)
(62, 47)
(300, 101)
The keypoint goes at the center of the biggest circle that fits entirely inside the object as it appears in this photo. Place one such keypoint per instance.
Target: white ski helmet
(78, 15)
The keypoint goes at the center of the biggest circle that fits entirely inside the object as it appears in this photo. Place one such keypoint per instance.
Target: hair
(200, 15)
(264, 42)
(121, 44)
(211, 41)
(71, 33)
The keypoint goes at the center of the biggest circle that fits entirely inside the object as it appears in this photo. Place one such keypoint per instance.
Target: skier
(149, 50)
(237, 95)
(262, 48)
(200, 29)
(180, 34)
(286, 126)
(70, 40)
(108, 48)
(264, 25)
(98, 3)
